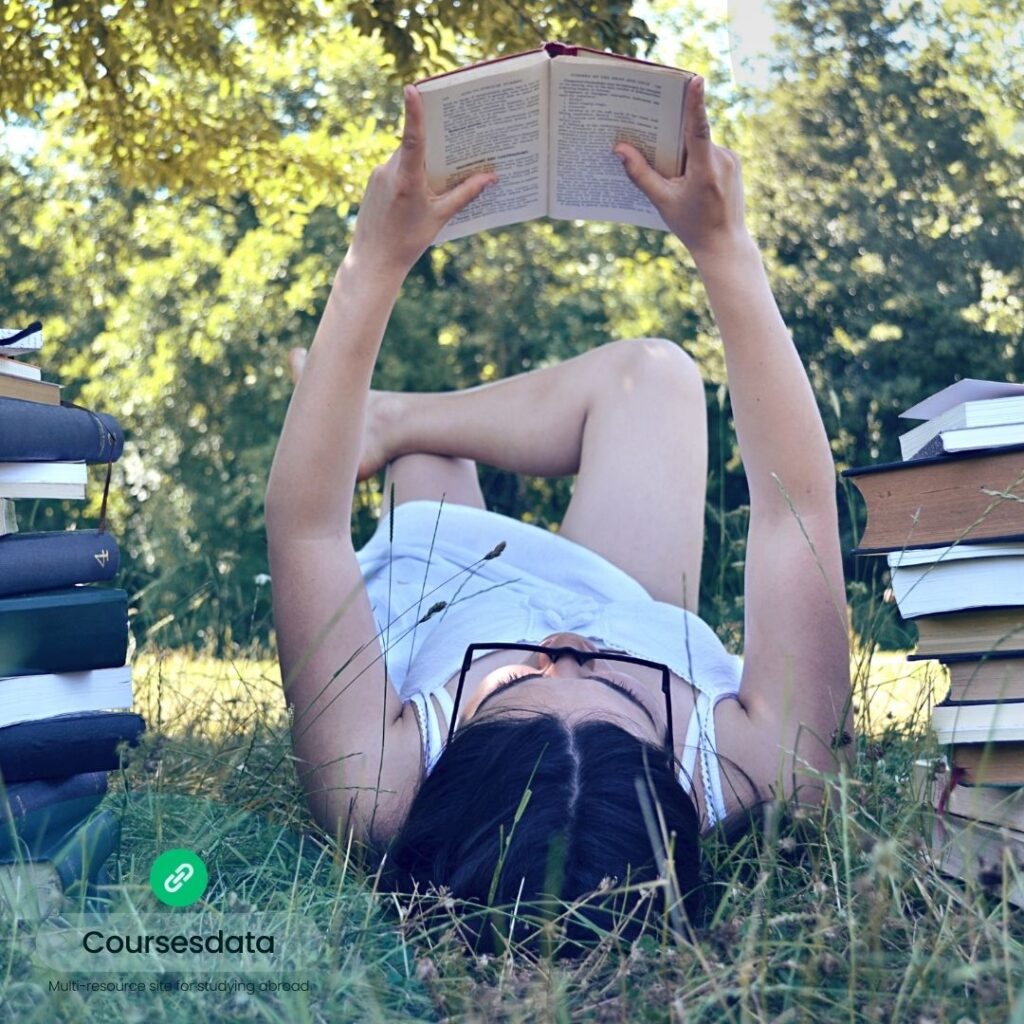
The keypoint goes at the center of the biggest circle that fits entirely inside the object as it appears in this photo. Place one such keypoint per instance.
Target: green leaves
(201, 163)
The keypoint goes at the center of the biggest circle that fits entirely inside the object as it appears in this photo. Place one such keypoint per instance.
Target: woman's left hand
(400, 216)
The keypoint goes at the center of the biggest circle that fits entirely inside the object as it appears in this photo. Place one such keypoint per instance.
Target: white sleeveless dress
(540, 583)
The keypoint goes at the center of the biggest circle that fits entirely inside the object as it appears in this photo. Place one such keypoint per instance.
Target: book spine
(67, 634)
(52, 747)
(47, 561)
(30, 432)
(23, 798)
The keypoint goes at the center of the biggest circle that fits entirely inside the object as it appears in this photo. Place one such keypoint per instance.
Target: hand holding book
(703, 206)
(400, 215)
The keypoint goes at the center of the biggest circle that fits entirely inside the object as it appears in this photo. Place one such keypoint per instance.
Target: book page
(966, 390)
(493, 122)
(594, 104)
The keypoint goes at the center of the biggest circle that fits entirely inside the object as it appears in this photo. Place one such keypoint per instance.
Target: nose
(563, 666)
(581, 643)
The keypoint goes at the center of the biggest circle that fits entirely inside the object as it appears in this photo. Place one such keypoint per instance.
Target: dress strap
(433, 729)
(689, 758)
(712, 768)
(444, 698)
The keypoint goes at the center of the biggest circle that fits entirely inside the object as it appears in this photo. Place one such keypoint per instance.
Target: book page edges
(550, 49)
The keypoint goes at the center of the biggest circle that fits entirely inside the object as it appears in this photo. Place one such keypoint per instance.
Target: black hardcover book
(33, 814)
(43, 561)
(80, 859)
(63, 631)
(66, 744)
(74, 867)
(31, 432)
(38, 840)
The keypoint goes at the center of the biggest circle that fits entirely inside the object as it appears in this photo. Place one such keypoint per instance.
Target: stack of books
(950, 519)
(65, 685)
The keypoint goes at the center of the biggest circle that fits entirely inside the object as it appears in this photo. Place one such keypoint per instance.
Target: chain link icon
(179, 877)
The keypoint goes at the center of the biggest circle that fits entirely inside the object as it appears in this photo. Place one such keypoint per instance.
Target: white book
(8, 517)
(989, 412)
(972, 438)
(978, 723)
(546, 121)
(30, 698)
(926, 581)
(996, 805)
(14, 368)
(43, 479)
(967, 390)
(31, 340)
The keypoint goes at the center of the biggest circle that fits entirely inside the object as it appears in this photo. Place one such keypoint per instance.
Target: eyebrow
(632, 697)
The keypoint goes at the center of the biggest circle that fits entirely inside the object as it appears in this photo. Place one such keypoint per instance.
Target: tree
(164, 91)
(886, 174)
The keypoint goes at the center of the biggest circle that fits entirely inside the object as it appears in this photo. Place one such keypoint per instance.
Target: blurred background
(179, 180)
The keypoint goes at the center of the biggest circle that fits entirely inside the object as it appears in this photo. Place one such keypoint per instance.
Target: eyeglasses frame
(580, 657)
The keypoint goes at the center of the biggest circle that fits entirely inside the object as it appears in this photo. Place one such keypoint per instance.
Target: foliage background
(192, 182)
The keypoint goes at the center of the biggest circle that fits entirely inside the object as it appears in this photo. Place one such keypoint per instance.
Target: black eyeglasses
(581, 658)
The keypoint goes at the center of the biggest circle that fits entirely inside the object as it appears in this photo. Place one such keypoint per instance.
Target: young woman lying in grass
(612, 727)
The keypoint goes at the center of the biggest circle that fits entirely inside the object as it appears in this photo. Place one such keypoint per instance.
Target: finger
(641, 173)
(411, 152)
(464, 193)
(296, 362)
(697, 128)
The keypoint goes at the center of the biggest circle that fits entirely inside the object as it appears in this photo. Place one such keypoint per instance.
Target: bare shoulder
(356, 744)
(396, 782)
(740, 744)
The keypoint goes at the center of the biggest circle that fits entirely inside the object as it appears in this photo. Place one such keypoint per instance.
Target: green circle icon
(178, 877)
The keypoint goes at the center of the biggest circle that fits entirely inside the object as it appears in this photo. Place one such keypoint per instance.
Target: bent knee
(661, 361)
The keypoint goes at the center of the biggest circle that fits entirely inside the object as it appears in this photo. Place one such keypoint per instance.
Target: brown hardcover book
(986, 740)
(990, 679)
(989, 764)
(974, 632)
(936, 502)
(994, 805)
(29, 390)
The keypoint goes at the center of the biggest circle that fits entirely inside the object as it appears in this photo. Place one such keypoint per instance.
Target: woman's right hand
(704, 205)
(400, 214)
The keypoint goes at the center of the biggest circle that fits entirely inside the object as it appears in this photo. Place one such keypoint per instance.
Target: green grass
(842, 921)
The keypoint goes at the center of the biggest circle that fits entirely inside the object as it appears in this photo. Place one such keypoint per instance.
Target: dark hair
(471, 833)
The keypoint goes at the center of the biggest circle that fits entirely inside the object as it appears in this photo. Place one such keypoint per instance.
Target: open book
(546, 121)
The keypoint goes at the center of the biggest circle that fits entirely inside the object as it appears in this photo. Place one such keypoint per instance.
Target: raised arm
(348, 730)
(796, 684)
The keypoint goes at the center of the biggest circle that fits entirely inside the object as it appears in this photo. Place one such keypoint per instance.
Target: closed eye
(509, 680)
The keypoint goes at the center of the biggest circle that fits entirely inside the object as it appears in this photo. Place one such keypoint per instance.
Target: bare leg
(628, 417)
(416, 476)
(433, 477)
